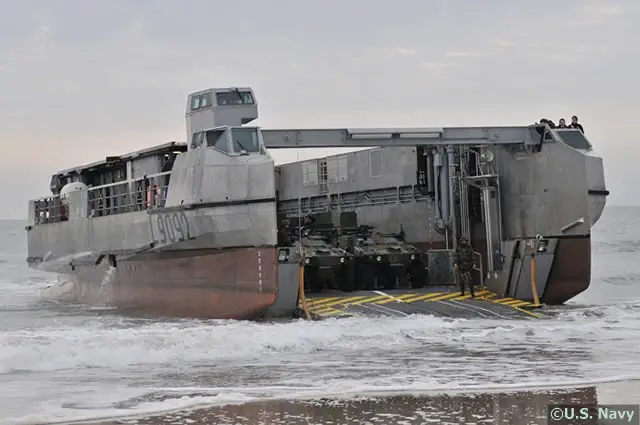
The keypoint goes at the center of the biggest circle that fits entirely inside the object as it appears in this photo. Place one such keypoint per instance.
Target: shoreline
(513, 407)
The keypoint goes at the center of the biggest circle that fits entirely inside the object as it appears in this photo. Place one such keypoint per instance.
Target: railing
(450, 275)
(49, 210)
(352, 200)
(128, 196)
(480, 268)
(109, 199)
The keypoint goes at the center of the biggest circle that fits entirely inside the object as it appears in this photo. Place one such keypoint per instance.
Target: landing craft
(191, 229)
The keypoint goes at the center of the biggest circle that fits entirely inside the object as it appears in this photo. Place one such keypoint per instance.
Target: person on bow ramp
(463, 261)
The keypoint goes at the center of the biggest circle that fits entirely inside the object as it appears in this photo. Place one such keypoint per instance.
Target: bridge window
(575, 139)
(218, 139)
(234, 98)
(200, 101)
(197, 140)
(245, 139)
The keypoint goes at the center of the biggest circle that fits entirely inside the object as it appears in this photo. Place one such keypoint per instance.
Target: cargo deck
(437, 301)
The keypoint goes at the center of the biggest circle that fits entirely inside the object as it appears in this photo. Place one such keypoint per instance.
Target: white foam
(109, 345)
(335, 357)
(67, 416)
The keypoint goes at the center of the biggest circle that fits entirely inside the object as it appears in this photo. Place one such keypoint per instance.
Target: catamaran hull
(234, 283)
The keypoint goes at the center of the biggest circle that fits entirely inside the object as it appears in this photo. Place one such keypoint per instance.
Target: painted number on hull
(170, 227)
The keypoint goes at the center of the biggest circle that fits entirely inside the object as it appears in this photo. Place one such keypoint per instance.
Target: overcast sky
(81, 79)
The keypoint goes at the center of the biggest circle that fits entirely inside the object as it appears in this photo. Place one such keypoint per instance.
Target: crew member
(576, 124)
(284, 234)
(464, 259)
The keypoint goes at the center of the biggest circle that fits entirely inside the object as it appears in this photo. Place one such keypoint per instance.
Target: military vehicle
(382, 260)
(326, 267)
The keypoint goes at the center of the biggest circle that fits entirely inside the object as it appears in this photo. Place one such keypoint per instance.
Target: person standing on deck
(576, 124)
(464, 260)
(167, 165)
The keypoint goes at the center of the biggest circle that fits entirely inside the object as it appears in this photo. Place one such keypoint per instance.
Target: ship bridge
(214, 108)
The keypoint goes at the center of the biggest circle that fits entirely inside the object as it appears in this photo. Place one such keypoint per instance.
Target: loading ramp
(436, 301)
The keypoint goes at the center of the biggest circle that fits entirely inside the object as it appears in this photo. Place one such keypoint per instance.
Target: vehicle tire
(346, 278)
(388, 278)
(366, 277)
(312, 283)
(417, 275)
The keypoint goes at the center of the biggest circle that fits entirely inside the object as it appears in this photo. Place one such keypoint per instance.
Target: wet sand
(512, 408)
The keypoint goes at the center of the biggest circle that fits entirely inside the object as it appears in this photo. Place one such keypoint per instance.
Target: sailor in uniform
(464, 260)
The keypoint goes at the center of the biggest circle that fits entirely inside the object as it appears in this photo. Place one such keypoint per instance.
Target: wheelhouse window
(575, 139)
(245, 140)
(197, 140)
(234, 97)
(218, 139)
(200, 101)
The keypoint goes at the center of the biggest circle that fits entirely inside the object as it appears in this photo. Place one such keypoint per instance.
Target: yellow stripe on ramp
(370, 300)
(321, 301)
(526, 312)
(342, 301)
(520, 304)
(423, 297)
(329, 311)
(512, 302)
(478, 295)
(448, 296)
(504, 300)
(395, 299)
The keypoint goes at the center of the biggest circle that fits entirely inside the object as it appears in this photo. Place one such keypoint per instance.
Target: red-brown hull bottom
(238, 283)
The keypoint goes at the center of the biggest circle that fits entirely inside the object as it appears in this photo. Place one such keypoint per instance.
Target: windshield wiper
(237, 92)
(242, 147)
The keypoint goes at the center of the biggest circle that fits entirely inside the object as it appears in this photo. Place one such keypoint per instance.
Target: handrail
(139, 194)
(108, 185)
(148, 176)
(479, 269)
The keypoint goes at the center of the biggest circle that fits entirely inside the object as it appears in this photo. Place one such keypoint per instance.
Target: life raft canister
(151, 193)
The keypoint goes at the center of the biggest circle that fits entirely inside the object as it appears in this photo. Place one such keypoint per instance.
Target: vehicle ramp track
(444, 302)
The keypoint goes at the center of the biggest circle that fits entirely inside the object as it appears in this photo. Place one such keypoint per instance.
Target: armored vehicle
(404, 262)
(326, 266)
(382, 260)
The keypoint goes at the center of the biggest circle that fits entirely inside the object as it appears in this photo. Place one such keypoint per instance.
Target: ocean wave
(118, 343)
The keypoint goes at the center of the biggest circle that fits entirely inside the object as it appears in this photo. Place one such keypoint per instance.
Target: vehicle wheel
(312, 283)
(367, 277)
(346, 278)
(417, 275)
(388, 278)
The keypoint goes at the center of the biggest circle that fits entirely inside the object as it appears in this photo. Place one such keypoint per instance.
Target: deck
(443, 302)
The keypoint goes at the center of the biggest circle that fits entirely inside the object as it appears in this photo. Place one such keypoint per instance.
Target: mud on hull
(235, 283)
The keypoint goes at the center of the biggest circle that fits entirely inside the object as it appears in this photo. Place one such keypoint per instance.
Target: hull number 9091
(170, 227)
